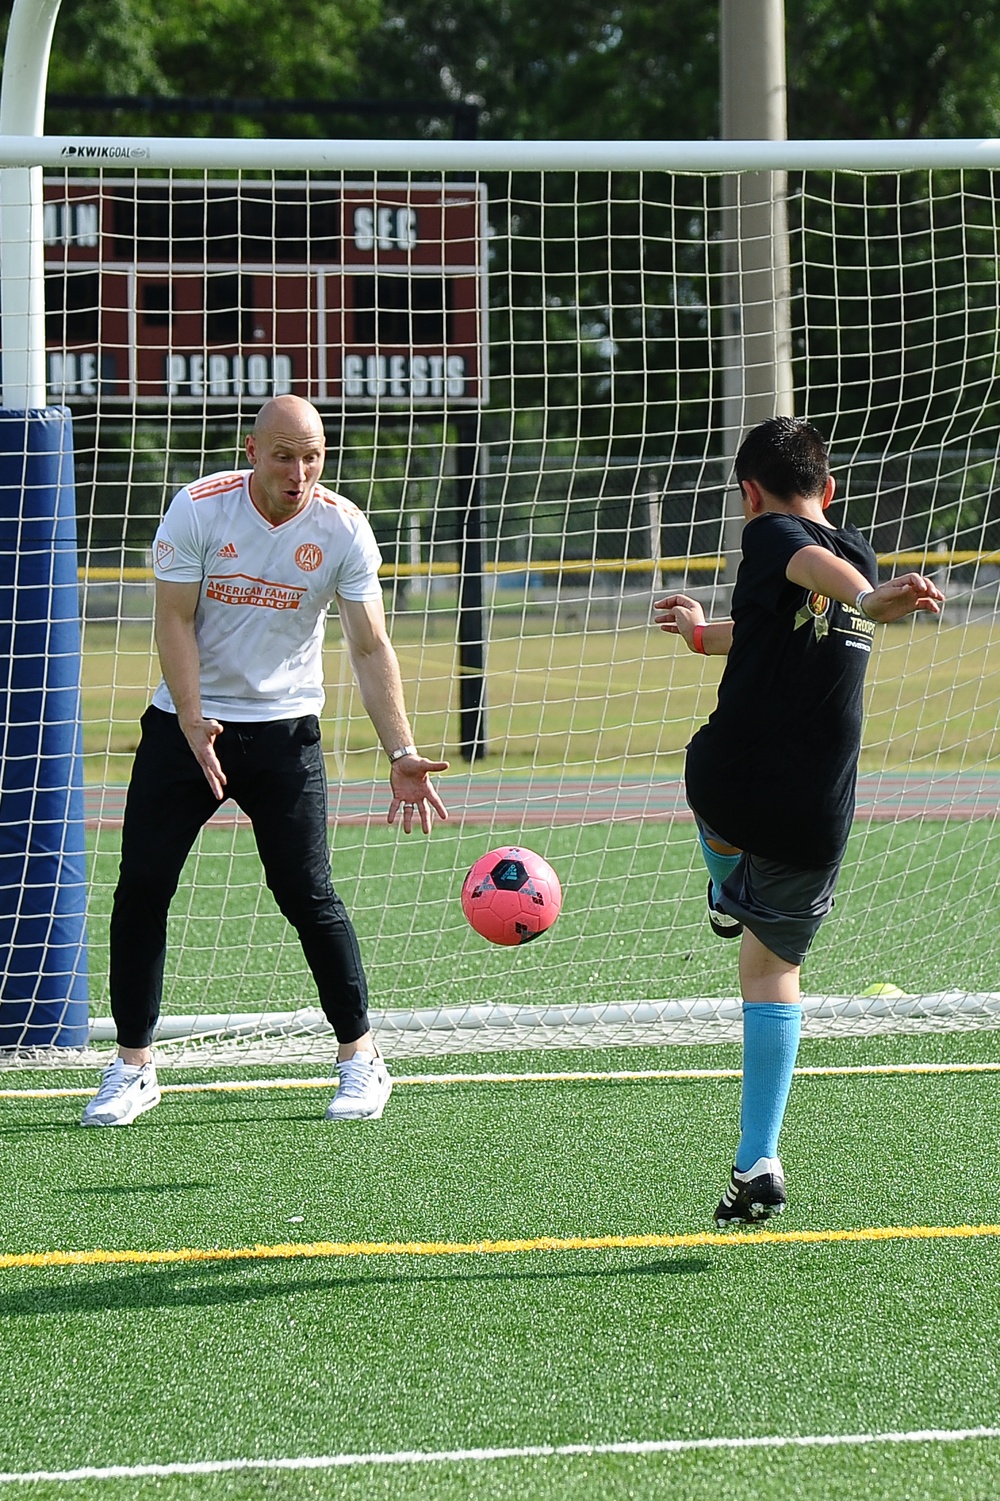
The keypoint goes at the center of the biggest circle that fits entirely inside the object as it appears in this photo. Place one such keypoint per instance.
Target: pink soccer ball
(511, 895)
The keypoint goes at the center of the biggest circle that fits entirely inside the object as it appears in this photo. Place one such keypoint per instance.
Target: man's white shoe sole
(373, 1116)
(145, 1103)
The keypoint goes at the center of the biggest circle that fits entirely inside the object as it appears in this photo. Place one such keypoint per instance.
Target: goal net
(533, 381)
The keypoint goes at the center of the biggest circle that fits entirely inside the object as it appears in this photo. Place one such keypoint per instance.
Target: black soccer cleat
(723, 926)
(753, 1197)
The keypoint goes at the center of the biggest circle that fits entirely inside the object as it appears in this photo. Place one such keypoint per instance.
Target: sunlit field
(508, 1288)
(614, 699)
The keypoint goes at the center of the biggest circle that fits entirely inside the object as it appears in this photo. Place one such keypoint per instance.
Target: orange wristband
(698, 640)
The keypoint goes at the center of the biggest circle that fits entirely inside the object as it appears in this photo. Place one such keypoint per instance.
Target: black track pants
(275, 773)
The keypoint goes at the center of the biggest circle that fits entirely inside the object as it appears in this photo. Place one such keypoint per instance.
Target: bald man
(248, 564)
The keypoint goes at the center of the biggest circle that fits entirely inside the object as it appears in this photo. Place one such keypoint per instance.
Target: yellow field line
(324, 1249)
(939, 557)
(703, 563)
(566, 1076)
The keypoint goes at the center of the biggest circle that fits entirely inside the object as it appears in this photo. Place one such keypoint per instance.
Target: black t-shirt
(774, 769)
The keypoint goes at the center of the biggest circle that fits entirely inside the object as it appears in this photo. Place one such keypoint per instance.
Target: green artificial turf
(910, 911)
(106, 1365)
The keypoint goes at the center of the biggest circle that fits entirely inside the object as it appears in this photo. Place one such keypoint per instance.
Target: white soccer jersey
(265, 592)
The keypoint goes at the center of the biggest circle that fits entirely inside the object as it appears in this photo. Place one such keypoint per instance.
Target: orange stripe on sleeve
(216, 485)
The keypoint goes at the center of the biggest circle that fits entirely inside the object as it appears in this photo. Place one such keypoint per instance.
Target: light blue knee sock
(770, 1045)
(719, 866)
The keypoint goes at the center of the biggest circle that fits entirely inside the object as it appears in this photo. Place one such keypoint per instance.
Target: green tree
(640, 70)
(580, 69)
(106, 48)
(633, 70)
(887, 68)
(221, 49)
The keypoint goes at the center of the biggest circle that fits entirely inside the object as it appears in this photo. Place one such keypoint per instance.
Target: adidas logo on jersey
(229, 551)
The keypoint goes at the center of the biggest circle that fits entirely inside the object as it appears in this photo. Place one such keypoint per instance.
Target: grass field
(513, 1289)
(613, 697)
(305, 1313)
(912, 909)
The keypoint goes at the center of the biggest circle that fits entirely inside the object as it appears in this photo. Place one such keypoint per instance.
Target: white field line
(569, 1076)
(464, 1456)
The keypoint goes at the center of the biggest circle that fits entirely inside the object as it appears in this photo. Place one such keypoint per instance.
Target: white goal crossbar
(178, 152)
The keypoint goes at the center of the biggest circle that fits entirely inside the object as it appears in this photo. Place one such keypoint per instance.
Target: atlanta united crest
(817, 609)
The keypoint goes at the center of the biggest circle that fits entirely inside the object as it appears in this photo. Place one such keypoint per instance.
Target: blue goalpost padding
(43, 986)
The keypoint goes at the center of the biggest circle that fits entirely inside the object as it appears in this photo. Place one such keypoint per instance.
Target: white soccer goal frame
(147, 152)
(482, 1027)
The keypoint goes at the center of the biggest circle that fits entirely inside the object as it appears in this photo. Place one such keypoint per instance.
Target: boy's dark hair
(786, 456)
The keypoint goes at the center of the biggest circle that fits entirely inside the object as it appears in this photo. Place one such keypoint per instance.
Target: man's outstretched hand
(414, 792)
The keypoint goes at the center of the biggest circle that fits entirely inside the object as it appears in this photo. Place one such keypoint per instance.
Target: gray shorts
(782, 905)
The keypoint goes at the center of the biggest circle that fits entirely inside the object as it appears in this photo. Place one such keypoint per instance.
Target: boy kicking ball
(771, 776)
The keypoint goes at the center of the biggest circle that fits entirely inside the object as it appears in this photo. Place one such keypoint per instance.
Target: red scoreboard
(182, 293)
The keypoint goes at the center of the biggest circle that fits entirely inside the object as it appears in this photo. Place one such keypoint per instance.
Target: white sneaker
(363, 1089)
(126, 1091)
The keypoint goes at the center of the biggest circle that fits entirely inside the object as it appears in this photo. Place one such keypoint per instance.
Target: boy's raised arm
(823, 572)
